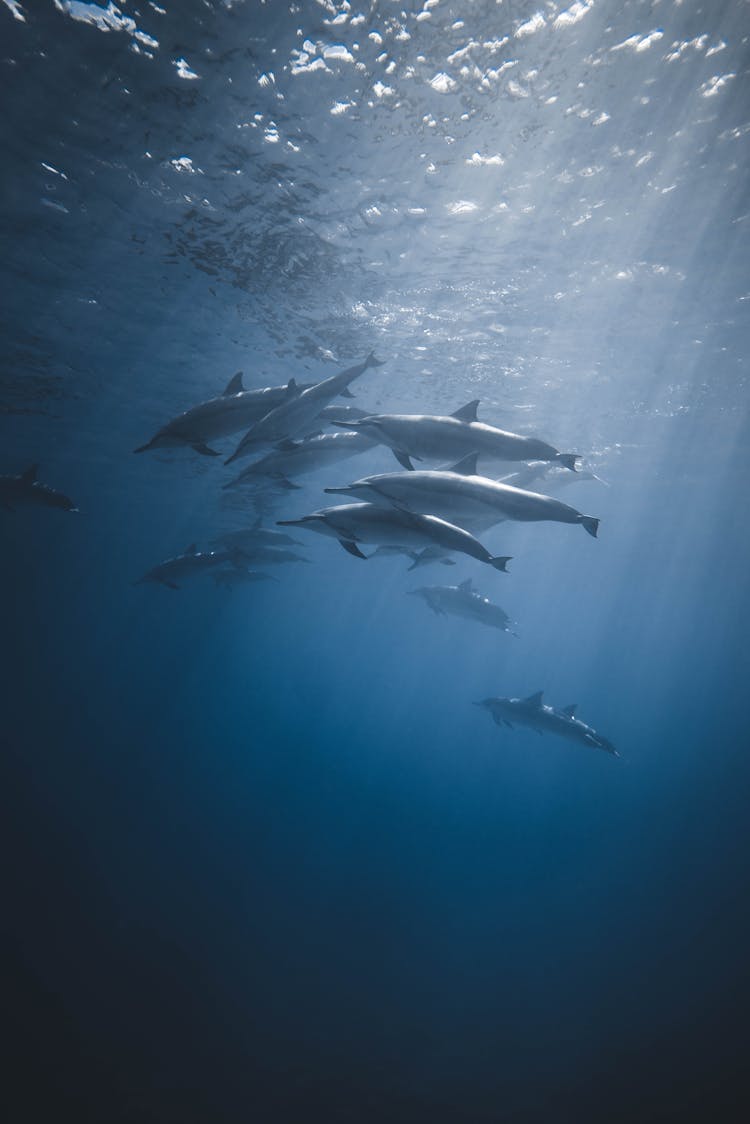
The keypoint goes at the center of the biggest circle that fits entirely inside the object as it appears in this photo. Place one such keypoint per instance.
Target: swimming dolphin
(271, 554)
(418, 557)
(192, 564)
(533, 713)
(297, 458)
(299, 410)
(231, 412)
(439, 438)
(26, 489)
(464, 601)
(230, 578)
(355, 523)
(462, 497)
(254, 536)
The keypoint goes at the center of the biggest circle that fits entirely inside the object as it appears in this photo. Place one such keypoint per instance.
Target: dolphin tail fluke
(568, 460)
(501, 563)
(371, 361)
(404, 460)
(590, 524)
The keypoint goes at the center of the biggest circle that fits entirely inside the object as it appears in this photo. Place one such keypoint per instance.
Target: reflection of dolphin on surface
(192, 564)
(464, 601)
(462, 497)
(26, 489)
(355, 523)
(532, 713)
(299, 410)
(434, 437)
(234, 410)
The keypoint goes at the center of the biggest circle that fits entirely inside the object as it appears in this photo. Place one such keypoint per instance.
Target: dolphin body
(464, 601)
(25, 489)
(234, 410)
(192, 564)
(419, 558)
(299, 410)
(297, 458)
(254, 537)
(534, 714)
(433, 437)
(355, 523)
(462, 497)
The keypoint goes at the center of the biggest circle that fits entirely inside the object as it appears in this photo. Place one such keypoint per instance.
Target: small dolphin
(419, 558)
(439, 438)
(231, 412)
(533, 713)
(270, 554)
(192, 564)
(26, 489)
(462, 497)
(230, 578)
(464, 601)
(253, 537)
(355, 523)
(299, 410)
(297, 458)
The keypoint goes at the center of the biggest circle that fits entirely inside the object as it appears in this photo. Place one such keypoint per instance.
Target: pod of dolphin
(425, 513)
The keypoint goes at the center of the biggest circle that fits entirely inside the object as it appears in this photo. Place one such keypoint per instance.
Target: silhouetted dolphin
(462, 497)
(234, 410)
(230, 578)
(355, 523)
(192, 564)
(253, 537)
(299, 410)
(440, 438)
(533, 713)
(26, 489)
(464, 601)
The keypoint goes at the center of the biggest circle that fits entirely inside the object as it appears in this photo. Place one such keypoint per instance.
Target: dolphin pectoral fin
(168, 584)
(352, 548)
(144, 448)
(508, 724)
(203, 449)
(403, 460)
(497, 719)
(346, 393)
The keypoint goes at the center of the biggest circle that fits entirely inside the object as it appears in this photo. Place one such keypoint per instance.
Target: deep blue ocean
(264, 859)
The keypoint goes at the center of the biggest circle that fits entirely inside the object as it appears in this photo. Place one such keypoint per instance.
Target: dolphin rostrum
(462, 497)
(355, 523)
(192, 564)
(533, 713)
(234, 410)
(26, 489)
(464, 601)
(299, 410)
(433, 437)
(296, 458)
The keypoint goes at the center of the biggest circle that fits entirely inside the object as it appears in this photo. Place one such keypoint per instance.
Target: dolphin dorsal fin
(467, 413)
(569, 711)
(291, 387)
(29, 476)
(234, 386)
(467, 466)
(466, 586)
(535, 699)
(192, 549)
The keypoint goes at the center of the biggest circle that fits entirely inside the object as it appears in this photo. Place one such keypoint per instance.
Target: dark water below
(265, 861)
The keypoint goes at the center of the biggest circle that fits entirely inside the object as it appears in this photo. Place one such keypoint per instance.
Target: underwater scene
(374, 467)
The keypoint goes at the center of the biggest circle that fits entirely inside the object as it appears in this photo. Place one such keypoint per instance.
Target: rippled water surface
(267, 859)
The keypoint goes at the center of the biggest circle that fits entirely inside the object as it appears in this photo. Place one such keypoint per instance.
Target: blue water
(265, 860)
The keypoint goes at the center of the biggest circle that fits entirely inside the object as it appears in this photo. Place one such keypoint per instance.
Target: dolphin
(533, 713)
(228, 579)
(464, 601)
(462, 497)
(439, 438)
(419, 558)
(297, 458)
(254, 536)
(191, 564)
(26, 489)
(354, 523)
(270, 554)
(230, 412)
(299, 410)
